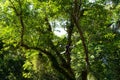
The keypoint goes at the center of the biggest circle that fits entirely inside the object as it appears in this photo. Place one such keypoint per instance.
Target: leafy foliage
(30, 49)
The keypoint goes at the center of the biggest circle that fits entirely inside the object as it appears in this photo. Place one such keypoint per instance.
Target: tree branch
(19, 14)
(52, 59)
(69, 41)
(21, 21)
(76, 18)
(14, 8)
(52, 44)
(76, 21)
(68, 48)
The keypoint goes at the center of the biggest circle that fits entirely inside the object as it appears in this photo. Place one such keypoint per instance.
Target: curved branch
(53, 60)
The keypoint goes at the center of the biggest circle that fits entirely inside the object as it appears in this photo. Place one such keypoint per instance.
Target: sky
(92, 1)
(59, 31)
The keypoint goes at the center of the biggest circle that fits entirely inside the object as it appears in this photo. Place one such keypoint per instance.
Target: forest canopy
(59, 39)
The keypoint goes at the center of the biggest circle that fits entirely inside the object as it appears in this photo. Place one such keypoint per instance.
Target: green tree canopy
(88, 48)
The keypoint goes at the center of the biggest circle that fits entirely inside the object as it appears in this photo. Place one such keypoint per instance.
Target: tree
(85, 51)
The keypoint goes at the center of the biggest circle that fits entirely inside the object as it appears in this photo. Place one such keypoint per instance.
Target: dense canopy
(59, 40)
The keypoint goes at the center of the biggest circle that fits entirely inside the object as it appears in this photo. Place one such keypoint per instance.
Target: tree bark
(76, 16)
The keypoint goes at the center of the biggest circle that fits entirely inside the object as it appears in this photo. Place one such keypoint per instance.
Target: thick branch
(52, 44)
(76, 21)
(68, 47)
(76, 18)
(83, 41)
(65, 65)
(69, 41)
(52, 59)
